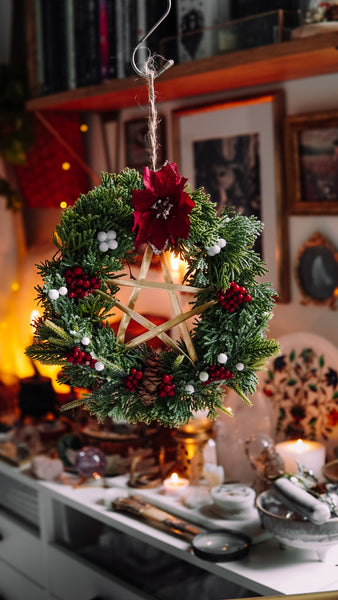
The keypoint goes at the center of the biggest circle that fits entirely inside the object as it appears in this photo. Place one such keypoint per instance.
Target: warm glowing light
(302, 452)
(83, 127)
(34, 316)
(3, 325)
(66, 166)
(335, 292)
(15, 286)
(175, 484)
(174, 263)
(63, 204)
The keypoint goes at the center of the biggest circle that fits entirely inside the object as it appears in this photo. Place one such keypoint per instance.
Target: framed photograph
(312, 163)
(233, 150)
(137, 143)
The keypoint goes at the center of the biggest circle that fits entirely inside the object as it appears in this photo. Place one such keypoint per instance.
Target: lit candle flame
(299, 446)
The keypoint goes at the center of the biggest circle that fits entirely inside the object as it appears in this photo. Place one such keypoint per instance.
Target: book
(131, 26)
(112, 38)
(53, 46)
(87, 42)
(70, 44)
(104, 39)
(32, 50)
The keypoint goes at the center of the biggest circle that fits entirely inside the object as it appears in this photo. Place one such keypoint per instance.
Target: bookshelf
(295, 59)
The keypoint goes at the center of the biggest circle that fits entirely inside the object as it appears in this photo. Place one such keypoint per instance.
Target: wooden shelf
(295, 59)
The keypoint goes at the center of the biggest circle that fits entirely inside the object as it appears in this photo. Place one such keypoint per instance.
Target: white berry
(103, 246)
(102, 236)
(111, 234)
(222, 242)
(189, 389)
(99, 366)
(210, 251)
(216, 248)
(239, 366)
(85, 341)
(63, 290)
(112, 244)
(73, 332)
(53, 294)
(222, 358)
(204, 376)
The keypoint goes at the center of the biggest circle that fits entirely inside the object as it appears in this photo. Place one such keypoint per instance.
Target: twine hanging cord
(150, 73)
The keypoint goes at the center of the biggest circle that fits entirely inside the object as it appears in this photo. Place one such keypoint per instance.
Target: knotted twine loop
(153, 120)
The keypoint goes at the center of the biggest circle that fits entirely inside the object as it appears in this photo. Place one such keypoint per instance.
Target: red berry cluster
(233, 296)
(217, 372)
(79, 357)
(132, 380)
(167, 387)
(79, 284)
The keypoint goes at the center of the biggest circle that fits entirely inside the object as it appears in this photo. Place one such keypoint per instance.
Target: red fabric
(42, 180)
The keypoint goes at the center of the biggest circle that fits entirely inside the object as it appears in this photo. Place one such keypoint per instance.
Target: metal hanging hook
(169, 63)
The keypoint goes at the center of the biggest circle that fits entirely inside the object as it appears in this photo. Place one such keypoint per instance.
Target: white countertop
(266, 570)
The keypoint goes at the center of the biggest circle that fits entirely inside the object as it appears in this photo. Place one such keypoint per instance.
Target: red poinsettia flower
(162, 209)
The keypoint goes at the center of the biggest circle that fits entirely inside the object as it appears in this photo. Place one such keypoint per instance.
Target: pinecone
(152, 378)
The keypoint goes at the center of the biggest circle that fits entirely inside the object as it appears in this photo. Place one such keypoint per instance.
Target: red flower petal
(162, 208)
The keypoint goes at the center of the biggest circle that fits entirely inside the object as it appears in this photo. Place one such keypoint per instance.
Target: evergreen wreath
(226, 344)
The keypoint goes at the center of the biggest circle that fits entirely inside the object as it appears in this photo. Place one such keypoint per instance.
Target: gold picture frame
(311, 151)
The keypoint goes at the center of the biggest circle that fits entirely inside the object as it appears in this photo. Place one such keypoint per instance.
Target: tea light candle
(309, 454)
(175, 485)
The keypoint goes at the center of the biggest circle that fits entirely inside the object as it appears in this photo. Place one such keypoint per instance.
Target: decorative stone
(91, 462)
(46, 468)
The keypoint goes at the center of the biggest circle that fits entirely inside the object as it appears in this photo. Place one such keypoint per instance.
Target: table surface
(267, 569)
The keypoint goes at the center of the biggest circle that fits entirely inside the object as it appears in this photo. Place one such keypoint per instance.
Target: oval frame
(328, 280)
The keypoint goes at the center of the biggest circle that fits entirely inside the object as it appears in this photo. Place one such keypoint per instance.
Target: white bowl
(291, 529)
(233, 497)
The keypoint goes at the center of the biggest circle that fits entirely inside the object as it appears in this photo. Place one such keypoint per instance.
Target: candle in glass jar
(175, 485)
(307, 453)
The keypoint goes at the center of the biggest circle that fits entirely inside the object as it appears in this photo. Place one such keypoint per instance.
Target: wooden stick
(146, 262)
(155, 331)
(155, 285)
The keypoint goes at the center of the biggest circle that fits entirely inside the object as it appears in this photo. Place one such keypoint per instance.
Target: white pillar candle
(307, 453)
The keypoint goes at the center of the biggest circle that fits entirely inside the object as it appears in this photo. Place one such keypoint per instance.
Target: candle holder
(191, 439)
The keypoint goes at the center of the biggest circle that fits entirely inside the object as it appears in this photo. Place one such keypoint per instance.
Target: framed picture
(233, 150)
(311, 144)
(138, 152)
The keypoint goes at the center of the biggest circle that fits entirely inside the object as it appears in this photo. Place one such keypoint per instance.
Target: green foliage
(82, 323)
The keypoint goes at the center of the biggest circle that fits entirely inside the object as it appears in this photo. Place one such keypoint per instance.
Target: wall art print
(232, 149)
(302, 386)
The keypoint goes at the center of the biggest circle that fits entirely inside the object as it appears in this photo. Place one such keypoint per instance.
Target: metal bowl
(291, 529)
